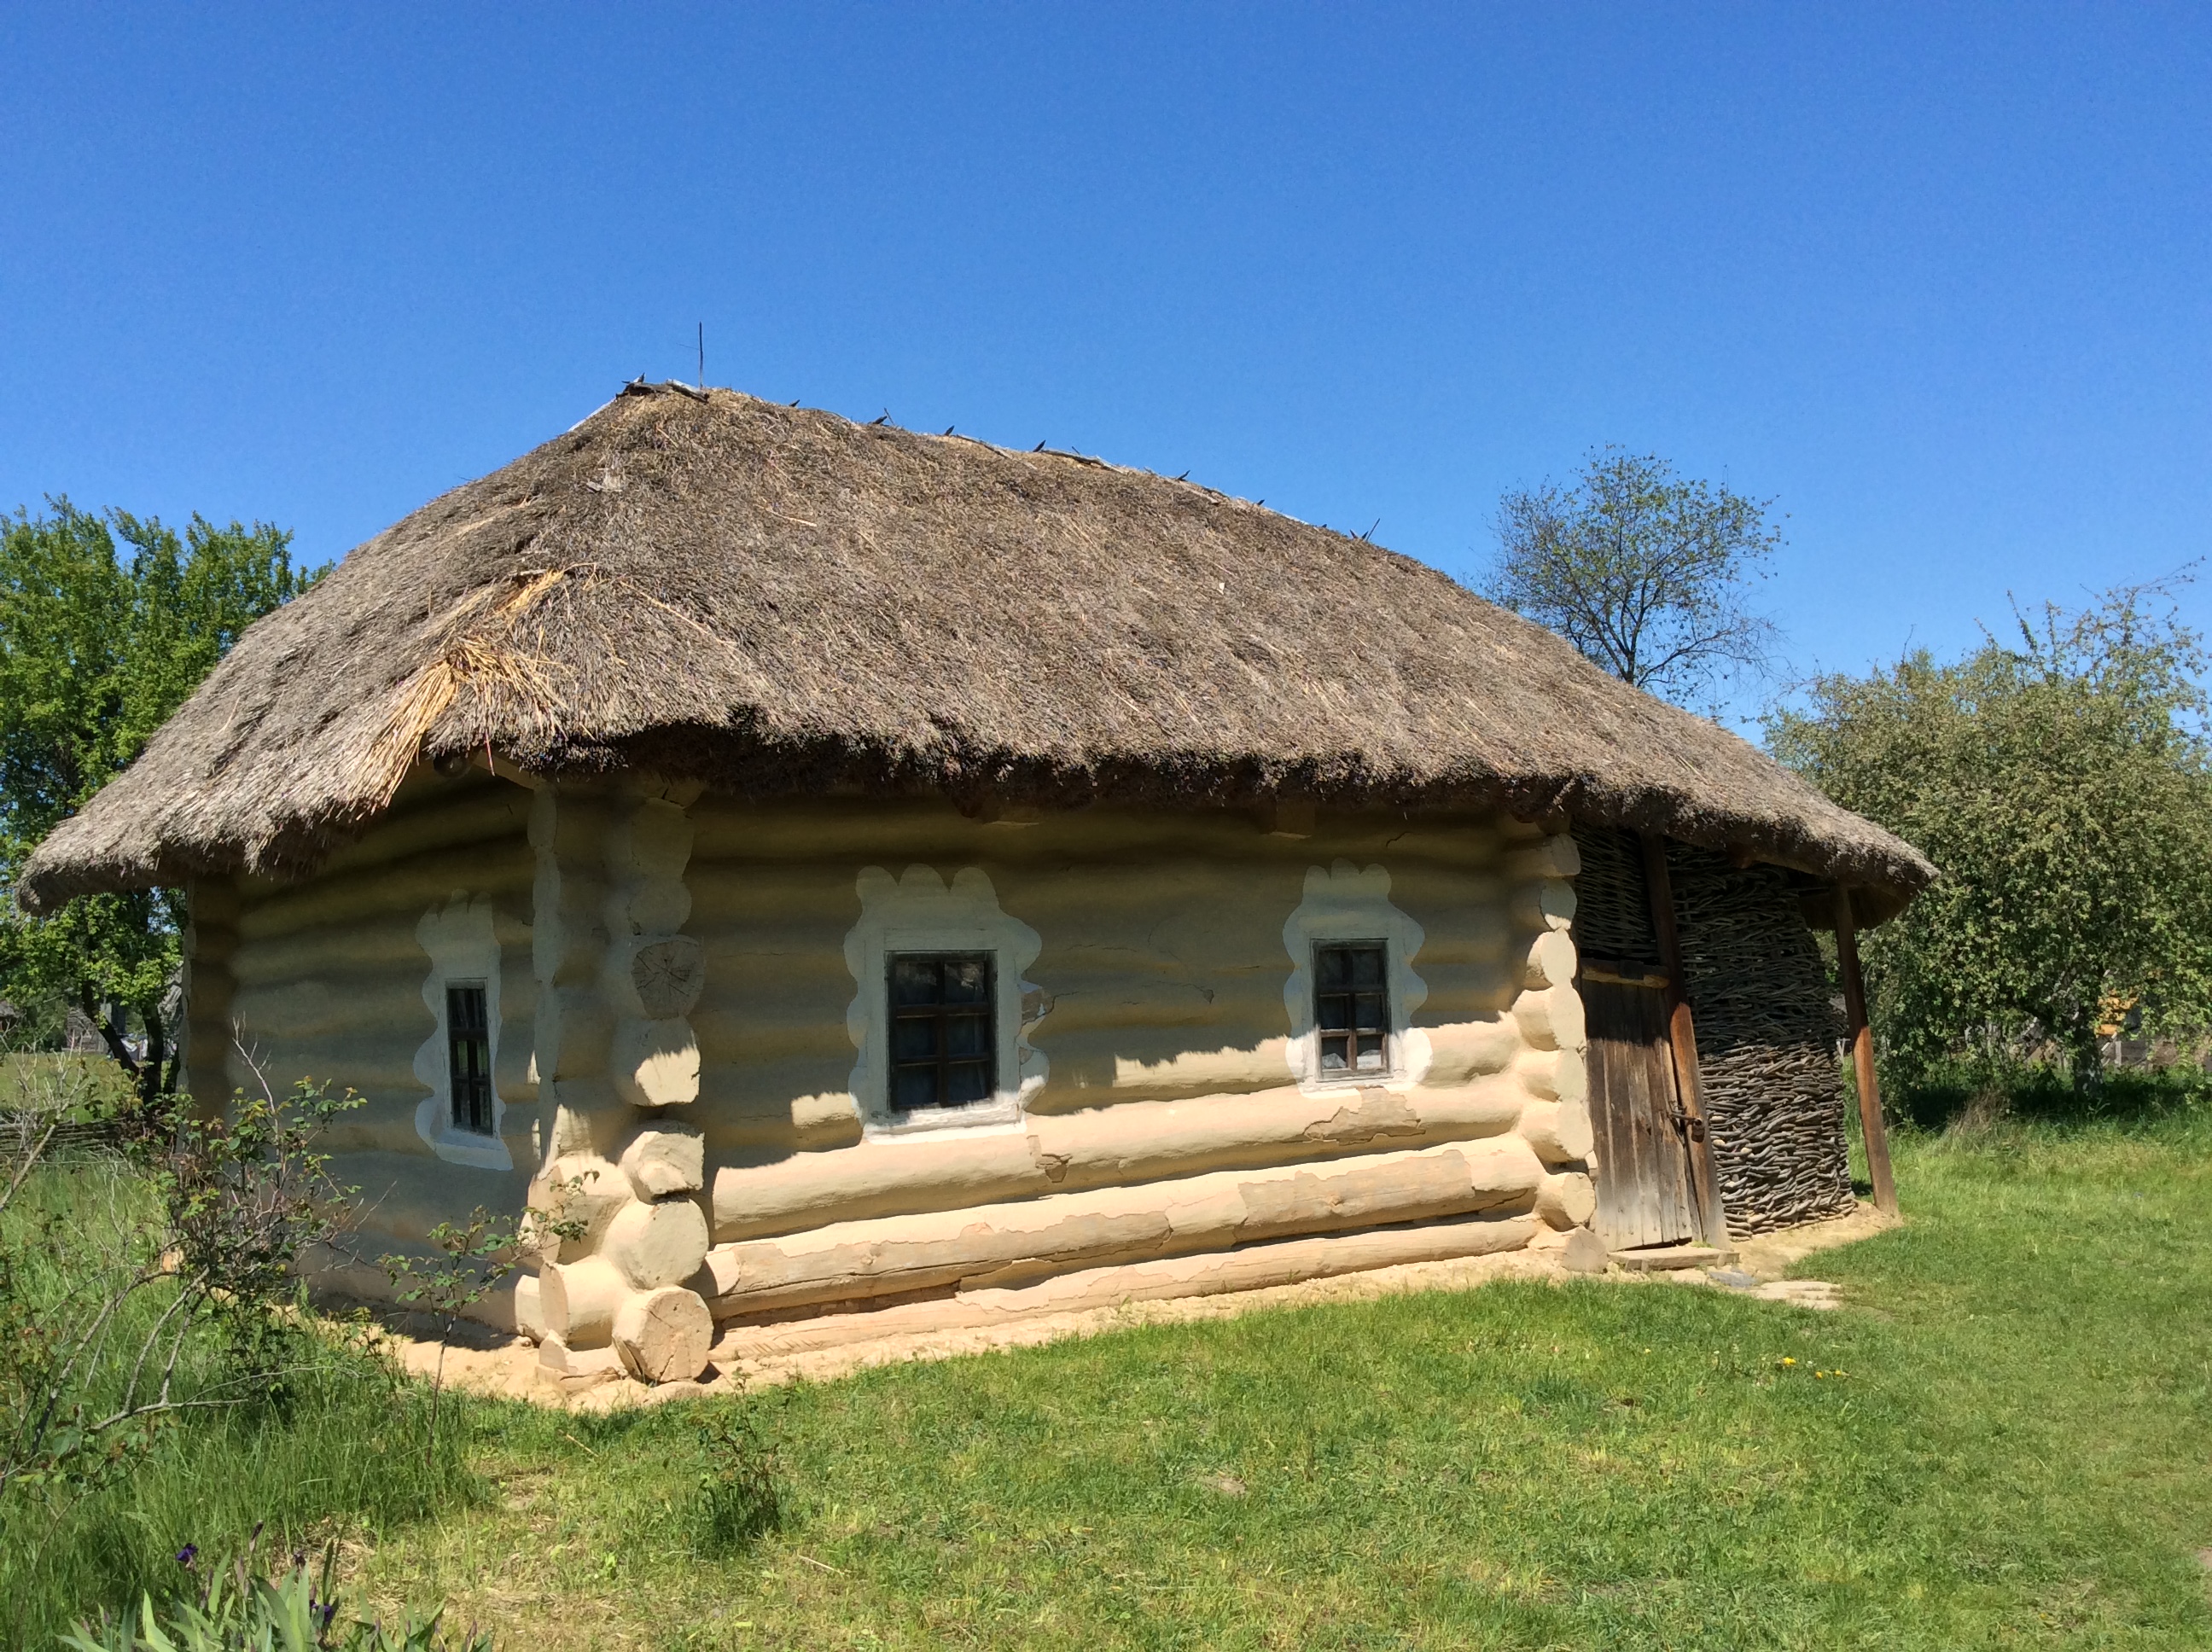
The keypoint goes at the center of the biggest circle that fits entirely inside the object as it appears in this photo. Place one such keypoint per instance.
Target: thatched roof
(776, 600)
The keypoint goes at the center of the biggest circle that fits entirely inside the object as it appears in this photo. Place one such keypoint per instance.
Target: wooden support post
(1682, 1039)
(1869, 1088)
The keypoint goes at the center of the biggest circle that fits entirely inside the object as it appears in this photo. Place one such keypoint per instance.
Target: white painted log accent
(1284, 1262)
(825, 1121)
(579, 1301)
(1551, 1019)
(664, 1335)
(1548, 903)
(1553, 1075)
(658, 1244)
(1568, 1199)
(1134, 1141)
(666, 1158)
(1550, 960)
(998, 1244)
(1467, 1050)
(1555, 857)
(1559, 1131)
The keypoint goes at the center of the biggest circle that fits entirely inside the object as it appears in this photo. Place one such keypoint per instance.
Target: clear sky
(1938, 278)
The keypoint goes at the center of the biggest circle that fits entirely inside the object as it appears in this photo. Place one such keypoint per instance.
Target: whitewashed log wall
(675, 1062)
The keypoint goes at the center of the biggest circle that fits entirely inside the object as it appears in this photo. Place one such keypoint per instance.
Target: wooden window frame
(468, 1058)
(942, 1062)
(1352, 1028)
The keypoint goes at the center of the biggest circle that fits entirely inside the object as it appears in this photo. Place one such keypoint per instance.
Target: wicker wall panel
(1767, 1028)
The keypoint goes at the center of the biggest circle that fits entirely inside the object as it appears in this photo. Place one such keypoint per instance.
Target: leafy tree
(1647, 573)
(96, 650)
(2062, 786)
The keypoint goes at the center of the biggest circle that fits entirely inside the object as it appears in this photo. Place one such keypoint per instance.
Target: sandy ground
(496, 1362)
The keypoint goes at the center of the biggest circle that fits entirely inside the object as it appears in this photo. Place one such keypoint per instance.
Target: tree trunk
(150, 1071)
(2086, 1056)
(110, 1034)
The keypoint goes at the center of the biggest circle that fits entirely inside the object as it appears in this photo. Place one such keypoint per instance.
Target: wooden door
(1643, 1159)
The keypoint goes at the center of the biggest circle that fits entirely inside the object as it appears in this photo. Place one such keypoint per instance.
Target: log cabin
(836, 869)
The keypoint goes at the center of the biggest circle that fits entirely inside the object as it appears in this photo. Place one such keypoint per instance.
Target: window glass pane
(1351, 1008)
(913, 981)
(967, 981)
(943, 1029)
(468, 1058)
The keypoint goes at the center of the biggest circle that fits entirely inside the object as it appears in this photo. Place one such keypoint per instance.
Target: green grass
(338, 1442)
(2017, 1452)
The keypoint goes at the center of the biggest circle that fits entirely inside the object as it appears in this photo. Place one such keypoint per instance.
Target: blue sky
(1937, 278)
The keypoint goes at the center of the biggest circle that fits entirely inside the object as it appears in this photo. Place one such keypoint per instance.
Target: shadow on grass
(1971, 1097)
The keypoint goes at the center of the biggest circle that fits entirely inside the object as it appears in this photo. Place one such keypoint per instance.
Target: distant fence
(70, 1139)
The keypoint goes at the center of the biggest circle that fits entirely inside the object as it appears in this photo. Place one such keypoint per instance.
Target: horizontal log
(1007, 1244)
(473, 812)
(418, 885)
(1255, 1267)
(1134, 1141)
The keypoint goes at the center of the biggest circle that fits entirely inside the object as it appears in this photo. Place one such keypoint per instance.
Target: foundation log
(1566, 1200)
(529, 1314)
(1133, 1142)
(664, 1335)
(998, 1244)
(1287, 1262)
(578, 1301)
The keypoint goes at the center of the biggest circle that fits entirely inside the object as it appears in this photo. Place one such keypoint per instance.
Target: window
(468, 1057)
(1351, 1009)
(944, 1039)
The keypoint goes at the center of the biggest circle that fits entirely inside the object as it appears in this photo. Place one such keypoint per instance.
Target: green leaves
(99, 642)
(2062, 786)
(1645, 572)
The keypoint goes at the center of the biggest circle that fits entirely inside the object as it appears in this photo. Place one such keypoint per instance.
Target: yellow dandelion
(1787, 1360)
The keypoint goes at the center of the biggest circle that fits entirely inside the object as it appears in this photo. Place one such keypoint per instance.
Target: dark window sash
(1351, 1009)
(942, 1030)
(468, 1058)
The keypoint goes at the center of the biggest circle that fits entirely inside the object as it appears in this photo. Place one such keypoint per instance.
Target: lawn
(2003, 1439)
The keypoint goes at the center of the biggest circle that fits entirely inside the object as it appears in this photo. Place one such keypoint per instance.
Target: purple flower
(186, 1555)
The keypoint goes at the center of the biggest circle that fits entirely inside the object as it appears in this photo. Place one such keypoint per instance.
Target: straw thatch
(776, 601)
